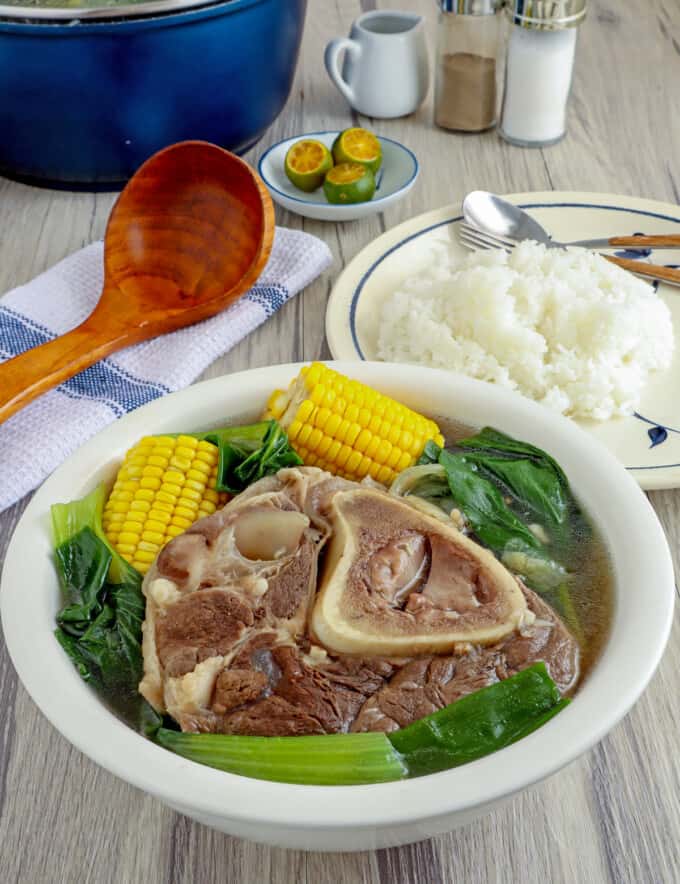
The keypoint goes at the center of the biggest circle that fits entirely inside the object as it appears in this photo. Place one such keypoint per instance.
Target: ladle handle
(38, 370)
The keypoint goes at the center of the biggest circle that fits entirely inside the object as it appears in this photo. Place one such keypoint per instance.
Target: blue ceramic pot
(85, 102)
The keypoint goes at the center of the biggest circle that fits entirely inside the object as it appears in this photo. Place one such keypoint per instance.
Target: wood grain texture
(614, 815)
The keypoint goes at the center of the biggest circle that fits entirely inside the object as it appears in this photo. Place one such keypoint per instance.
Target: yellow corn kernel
(304, 434)
(198, 472)
(173, 531)
(314, 439)
(385, 475)
(162, 506)
(383, 452)
(393, 459)
(157, 525)
(352, 413)
(174, 476)
(363, 467)
(145, 556)
(144, 493)
(333, 451)
(181, 463)
(353, 462)
(343, 454)
(195, 484)
(156, 460)
(170, 489)
(293, 430)
(305, 411)
(155, 537)
(324, 445)
(352, 434)
(404, 461)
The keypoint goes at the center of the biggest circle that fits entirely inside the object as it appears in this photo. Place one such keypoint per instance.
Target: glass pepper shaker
(465, 82)
(539, 67)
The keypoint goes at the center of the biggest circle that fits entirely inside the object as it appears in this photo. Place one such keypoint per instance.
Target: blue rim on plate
(297, 199)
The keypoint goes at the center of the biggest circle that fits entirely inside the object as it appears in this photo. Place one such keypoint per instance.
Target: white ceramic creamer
(385, 71)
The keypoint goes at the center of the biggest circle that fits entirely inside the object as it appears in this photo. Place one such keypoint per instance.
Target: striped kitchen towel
(39, 437)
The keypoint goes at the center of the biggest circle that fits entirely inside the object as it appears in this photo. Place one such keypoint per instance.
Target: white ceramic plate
(647, 443)
(350, 817)
(396, 177)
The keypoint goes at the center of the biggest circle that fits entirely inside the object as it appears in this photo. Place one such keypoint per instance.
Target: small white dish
(347, 817)
(647, 442)
(396, 177)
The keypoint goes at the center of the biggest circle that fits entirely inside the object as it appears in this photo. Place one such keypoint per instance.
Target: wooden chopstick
(655, 271)
(659, 241)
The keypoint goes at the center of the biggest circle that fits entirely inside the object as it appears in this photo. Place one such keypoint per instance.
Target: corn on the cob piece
(347, 428)
(164, 485)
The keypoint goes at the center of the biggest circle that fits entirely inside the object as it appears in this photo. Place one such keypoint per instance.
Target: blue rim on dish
(297, 199)
(543, 205)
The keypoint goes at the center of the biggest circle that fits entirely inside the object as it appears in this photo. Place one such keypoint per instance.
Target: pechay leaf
(100, 626)
(491, 519)
(82, 564)
(324, 760)
(249, 453)
(430, 453)
(530, 475)
(480, 723)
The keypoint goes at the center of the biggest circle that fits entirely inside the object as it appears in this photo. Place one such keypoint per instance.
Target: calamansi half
(358, 145)
(349, 183)
(306, 163)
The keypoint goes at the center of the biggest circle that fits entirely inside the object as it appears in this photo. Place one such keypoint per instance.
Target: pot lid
(71, 10)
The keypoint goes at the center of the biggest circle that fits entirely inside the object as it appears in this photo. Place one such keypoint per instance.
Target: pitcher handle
(332, 62)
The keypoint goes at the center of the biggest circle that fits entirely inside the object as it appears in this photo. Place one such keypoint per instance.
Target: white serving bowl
(396, 177)
(348, 817)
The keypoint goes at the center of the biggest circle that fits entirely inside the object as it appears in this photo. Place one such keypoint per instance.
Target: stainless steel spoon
(496, 215)
(495, 223)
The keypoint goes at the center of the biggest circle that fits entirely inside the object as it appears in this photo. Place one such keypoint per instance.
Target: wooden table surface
(614, 815)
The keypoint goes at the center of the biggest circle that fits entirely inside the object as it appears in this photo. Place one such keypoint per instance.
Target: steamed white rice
(565, 328)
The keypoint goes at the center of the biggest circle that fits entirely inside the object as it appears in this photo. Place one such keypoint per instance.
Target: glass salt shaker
(465, 97)
(539, 67)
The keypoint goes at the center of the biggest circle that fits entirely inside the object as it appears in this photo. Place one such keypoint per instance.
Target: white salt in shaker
(539, 66)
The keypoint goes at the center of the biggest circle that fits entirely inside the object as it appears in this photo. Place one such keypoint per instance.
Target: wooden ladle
(188, 235)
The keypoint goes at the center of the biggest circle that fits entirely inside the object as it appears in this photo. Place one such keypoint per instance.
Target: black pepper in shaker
(466, 97)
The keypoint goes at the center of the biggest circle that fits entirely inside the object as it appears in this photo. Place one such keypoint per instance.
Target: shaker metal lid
(547, 15)
(470, 7)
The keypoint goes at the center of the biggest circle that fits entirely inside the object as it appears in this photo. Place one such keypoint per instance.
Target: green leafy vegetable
(100, 625)
(329, 760)
(480, 723)
(248, 453)
(530, 475)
